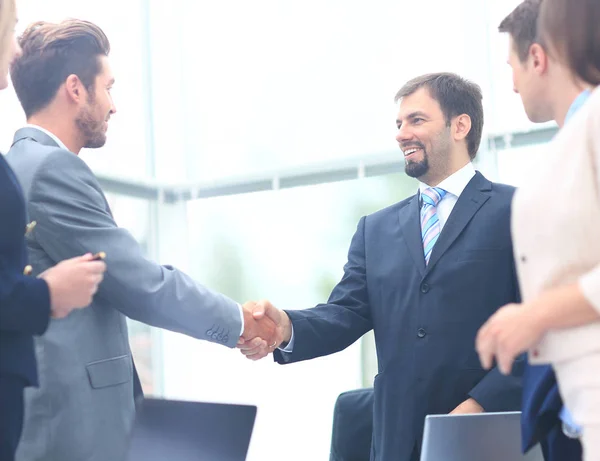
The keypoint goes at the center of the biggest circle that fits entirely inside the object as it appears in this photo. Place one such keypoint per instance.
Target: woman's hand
(512, 330)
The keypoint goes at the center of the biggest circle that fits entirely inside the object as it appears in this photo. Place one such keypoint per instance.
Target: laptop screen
(169, 430)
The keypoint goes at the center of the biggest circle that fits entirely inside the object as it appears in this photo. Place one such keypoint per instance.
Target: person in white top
(555, 222)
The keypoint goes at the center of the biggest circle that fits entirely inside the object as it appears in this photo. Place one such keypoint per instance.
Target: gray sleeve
(73, 218)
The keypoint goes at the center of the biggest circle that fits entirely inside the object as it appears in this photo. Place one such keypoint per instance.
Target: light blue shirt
(570, 427)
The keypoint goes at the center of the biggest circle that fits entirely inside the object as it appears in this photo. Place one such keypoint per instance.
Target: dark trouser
(11, 415)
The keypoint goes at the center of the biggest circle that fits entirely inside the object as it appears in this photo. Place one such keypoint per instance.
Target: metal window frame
(340, 170)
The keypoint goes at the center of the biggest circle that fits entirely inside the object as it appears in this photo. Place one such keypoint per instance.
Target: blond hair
(8, 17)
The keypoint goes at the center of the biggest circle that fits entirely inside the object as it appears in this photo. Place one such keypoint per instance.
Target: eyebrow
(412, 115)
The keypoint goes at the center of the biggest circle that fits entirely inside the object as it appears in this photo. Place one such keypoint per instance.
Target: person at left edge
(27, 303)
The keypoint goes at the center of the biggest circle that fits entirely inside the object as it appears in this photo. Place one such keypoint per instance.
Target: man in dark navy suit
(424, 274)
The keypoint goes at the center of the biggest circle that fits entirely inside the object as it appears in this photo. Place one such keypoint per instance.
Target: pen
(99, 256)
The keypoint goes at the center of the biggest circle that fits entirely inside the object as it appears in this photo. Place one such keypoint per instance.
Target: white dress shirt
(62, 146)
(52, 135)
(454, 185)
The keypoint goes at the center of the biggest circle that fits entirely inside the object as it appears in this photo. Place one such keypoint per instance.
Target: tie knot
(432, 195)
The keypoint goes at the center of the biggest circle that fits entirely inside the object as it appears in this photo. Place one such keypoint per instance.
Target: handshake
(265, 329)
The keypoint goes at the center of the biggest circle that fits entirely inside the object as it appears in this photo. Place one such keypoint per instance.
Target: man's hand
(258, 333)
(72, 283)
(469, 406)
(512, 330)
(256, 348)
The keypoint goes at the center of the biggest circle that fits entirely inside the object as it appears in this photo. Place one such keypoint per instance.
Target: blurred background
(249, 139)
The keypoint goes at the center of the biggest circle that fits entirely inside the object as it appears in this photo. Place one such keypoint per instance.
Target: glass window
(251, 87)
(288, 246)
(516, 164)
(125, 151)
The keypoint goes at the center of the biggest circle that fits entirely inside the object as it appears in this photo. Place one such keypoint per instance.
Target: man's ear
(538, 58)
(75, 89)
(461, 126)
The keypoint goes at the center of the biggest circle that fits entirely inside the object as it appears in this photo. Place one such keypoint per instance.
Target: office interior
(249, 139)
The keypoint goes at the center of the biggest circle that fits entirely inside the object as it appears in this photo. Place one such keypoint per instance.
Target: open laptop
(169, 430)
(475, 437)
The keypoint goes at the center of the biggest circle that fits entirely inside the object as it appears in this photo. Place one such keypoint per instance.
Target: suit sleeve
(590, 282)
(24, 301)
(498, 392)
(331, 327)
(73, 218)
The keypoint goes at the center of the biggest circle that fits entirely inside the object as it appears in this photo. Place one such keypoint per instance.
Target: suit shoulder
(32, 161)
(503, 191)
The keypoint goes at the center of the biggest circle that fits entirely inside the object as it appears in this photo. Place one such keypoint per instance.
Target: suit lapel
(470, 201)
(410, 225)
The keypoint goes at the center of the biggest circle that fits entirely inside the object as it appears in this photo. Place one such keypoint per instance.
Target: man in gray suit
(84, 406)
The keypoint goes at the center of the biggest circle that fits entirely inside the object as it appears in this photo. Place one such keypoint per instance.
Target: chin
(535, 115)
(96, 143)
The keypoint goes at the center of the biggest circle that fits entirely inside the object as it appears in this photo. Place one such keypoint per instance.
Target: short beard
(417, 169)
(90, 129)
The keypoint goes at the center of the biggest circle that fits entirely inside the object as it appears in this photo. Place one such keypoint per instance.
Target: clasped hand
(265, 329)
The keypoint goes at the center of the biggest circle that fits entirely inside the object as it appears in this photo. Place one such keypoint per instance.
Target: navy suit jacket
(24, 300)
(425, 318)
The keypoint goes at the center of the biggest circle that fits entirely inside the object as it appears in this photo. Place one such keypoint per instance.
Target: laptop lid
(475, 437)
(191, 431)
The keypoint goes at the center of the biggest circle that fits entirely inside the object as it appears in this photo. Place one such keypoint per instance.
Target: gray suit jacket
(84, 407)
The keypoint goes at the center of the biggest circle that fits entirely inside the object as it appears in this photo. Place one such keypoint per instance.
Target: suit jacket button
(424, 288)
(421, 333)
(27, 270)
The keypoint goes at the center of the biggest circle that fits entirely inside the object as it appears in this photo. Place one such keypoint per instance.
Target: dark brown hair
(521, 25)
(456, 96)
(52, 52)
(572, 30)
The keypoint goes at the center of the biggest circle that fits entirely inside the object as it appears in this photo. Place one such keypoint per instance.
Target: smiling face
(424, 136)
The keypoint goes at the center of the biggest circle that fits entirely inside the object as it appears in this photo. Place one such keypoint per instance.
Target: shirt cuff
(290, 346)
(241, 319)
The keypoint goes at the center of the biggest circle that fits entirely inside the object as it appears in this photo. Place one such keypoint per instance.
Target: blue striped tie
(430, 224)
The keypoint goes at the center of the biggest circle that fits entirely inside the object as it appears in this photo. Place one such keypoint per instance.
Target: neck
(566, 90)
(60, 126)
(432, 179)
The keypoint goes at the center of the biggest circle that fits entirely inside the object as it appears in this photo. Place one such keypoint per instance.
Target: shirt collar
(456, 182)
(52, 135)
(578, 103)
